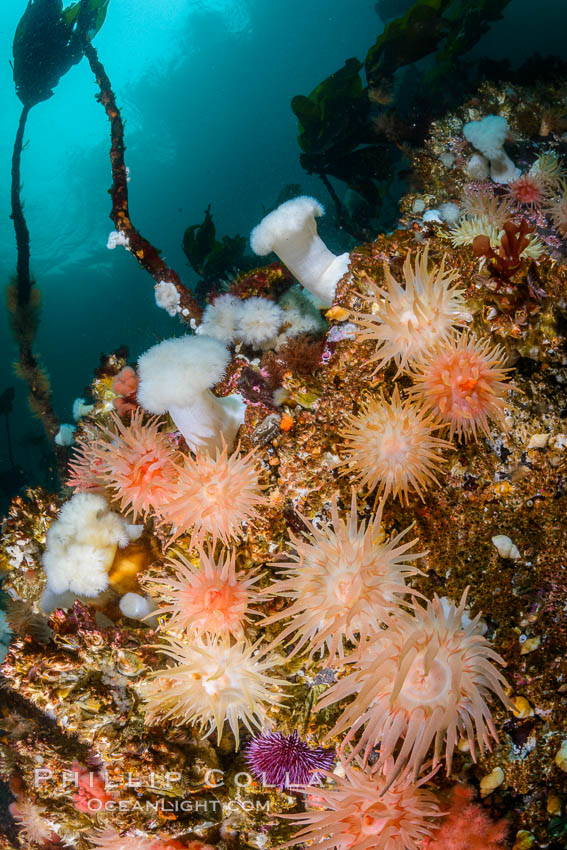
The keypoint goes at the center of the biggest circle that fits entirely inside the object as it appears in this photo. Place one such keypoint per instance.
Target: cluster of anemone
(394, 445)
(138, 466)
(418, 679)
(415, 677)
(419, 676)
(218, 676)
(411, 693)
(539, 194)
(204, 604)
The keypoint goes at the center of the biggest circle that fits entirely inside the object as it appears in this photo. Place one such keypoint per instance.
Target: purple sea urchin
(285, 760)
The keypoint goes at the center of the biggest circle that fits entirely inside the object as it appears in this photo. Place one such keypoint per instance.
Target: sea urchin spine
(283, 761)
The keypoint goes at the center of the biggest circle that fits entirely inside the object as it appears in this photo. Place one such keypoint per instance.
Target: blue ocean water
(205, 88)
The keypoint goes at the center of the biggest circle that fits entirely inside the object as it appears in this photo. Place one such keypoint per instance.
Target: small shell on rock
(337, 314)
(559, 441)
(522, 708)
(344, 331)
(136, 607)
(128, 663)
(530, 645)
(432, 215)
(523, 840)
(538, 441)
(258, 840)
(267, 429)
(553, 803)
(89, 705)
(506, 548)
(561, 757)
(491, 782)
(447, 158)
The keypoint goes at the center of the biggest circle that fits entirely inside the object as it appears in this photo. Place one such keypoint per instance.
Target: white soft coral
(260, 322)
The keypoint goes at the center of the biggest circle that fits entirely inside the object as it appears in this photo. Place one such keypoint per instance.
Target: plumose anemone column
(488, 137)
(176, 376)
(290, 231)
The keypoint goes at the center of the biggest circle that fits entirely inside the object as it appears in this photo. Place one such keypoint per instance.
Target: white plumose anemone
(220, 318)
(488, 136)
(167, 297)
(81, 545)
(259, 321)
(176, 377)
(290, 231)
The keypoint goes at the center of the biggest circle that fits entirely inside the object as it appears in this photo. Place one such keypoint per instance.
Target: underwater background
(205, 88)
(260, 448)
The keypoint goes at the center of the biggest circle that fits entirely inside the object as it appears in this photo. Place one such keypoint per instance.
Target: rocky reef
(355, 430)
